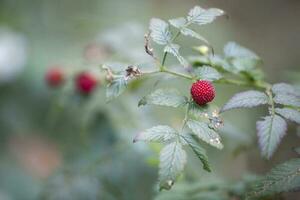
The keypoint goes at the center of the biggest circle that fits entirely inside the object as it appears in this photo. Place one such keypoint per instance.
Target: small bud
(203, 49)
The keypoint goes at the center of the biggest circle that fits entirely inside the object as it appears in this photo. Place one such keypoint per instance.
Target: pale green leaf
(284, 88)
(244, 64)
(246, 99)
(116, 88)
(160, 32)
(164, 97)
(270, 131)
(159, 133)
(289, 113)
(203, 132)
(178, 22)
(287, 99)
(284, 177)
(174, 50)
(207, 73)
(234, 50)
(201, 16)
(172, 162)
(189, 32)
(198, 150)
(198, 110)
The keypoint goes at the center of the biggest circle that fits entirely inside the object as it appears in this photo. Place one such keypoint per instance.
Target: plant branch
(166, 53)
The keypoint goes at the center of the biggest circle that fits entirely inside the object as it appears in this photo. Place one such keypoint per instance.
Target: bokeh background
(58, 145)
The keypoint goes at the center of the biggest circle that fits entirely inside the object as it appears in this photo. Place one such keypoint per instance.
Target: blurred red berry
(85, 83)
(202, 92)
(54, 77)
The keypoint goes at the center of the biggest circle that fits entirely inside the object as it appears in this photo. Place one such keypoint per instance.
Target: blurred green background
(82, 149)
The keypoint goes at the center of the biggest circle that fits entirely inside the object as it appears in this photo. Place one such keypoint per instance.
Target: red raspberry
(202, 92)
(85, 83)
(54, 77)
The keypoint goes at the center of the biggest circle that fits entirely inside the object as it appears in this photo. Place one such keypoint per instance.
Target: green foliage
(288, 100)
(172, 162)
(237, 66)
(116, 88)
(160, 32)
(270, 132)
(164, 97)
(282, 178)
(198, 150)
(205, 133)
(157, 134)
(207, 73)
(289, 113)
(246, 99)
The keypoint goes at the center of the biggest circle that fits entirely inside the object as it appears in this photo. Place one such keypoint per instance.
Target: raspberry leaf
(284, 88)
(203, 132)
(287, 99)
(159, 133)
(198, 150)
(116, 88)
(270, 131)
(289, 114)
(182, 25)
(246, 99)
(234, 50)
(172, 162)
(207, 73)
(197, 110)
(178, 22)
(282, 178)
(164, 97)
(174, 50)
(160, 32)
(200, 16)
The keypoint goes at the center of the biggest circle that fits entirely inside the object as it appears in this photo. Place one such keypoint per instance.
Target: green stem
(166, 53)
(165, 70)
(186, 115)
(272, 104)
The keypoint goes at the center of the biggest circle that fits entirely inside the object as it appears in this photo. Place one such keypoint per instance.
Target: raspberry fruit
(202, 92)
(85, 83)
(54, 77)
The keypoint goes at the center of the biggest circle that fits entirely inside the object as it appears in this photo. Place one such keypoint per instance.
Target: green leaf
(234, 50)
(284, 177)
(203, 132)
(270, 131)
(160, 32)
(182, 24)
(159, 133)
(284, 88)
(116, 88)
(246, 99)
(174, 50)
(289, 114)
(207, 73)
(178, 22)
(199, 151)
(200, 16)
(172, 162)
(244, 64)
(189, 32)
(198, 110)
(287, 99)
(164, 97)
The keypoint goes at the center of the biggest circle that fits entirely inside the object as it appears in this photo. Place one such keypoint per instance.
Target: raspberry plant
(202, 120)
